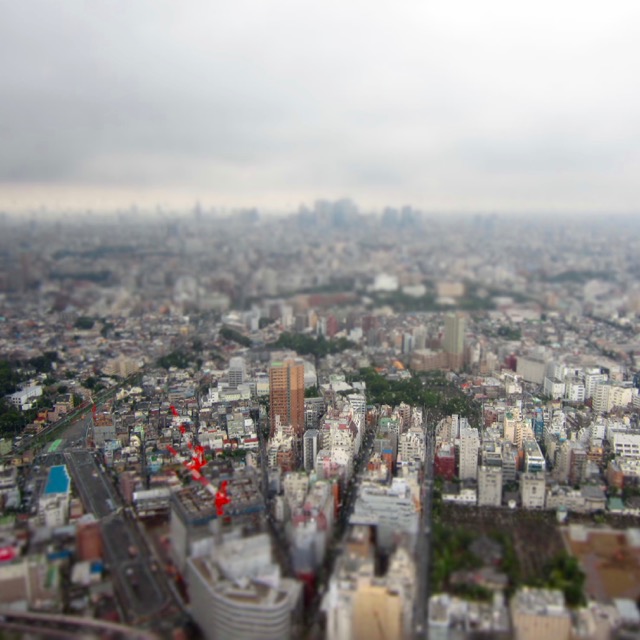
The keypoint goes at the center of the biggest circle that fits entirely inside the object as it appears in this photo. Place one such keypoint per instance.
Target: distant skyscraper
(286, 395)
(454, 340)
(454, 333)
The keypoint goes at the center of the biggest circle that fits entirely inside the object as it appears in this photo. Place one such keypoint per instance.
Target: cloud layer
(458, 105)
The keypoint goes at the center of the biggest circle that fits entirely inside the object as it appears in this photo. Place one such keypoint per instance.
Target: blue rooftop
(58, 480)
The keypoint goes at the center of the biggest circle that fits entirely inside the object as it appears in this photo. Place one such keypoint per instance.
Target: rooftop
(58, 480)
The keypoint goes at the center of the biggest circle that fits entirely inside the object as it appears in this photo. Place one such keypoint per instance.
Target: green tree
(178, 359)
(564, 573)
(84, 323)
(235, 336)
(12, 421)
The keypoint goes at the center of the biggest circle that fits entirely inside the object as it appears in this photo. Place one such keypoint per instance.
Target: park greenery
(451, 552)
(179, 359)
(93, 384)
(430, 392)
(304, 344)
(84, 323)
(235, 336)
(12, 374)
(509, 333)
(563, 572)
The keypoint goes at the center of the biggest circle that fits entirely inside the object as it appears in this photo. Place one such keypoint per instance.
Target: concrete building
(587, 499)
(510, 461)
(31, 583)
(310, 528)
(626, 443)
(53, 506)
(393, 510)
(608, 396)
(553, 388)
(452, 618)
(192, 511)
(314, 409)
(468, 447)
(88, 538)
(540, 613)
(533, 459)
(489, 486)
(491, 454)
(444, 464)
(286, 395)
(574, 390)
(237, 372)
(281, 448)
(236, 591)
(310, 448)
(428, 360)
(411, 445)
(24, 399)
(361, 605)
(454, 340)
(104, 428)
(122, 366)
(532, 490)
(591, 379)
(531, 369)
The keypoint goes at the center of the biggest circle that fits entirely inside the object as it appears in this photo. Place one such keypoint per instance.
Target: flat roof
(58, 480)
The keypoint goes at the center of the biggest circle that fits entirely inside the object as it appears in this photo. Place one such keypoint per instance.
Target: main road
(142, 587)
(423, 546)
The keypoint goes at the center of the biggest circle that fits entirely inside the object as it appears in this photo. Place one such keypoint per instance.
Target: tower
(454, 340)
(237, 372)
(286, 395)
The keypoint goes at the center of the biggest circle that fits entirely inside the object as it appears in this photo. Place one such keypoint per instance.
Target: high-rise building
(469, 446)
(454, 340)
(591, 379)
(314, 409)
(237, 372)
(532, 490)
(489, 486)
(53, 506)
(286, 395)
(310, 448)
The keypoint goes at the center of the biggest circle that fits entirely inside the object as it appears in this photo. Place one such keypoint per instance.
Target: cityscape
(319, 321)
(328, 424)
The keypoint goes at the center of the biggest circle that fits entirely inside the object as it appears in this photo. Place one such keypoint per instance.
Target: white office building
(468, 447)
(489, 486)
(237, 592)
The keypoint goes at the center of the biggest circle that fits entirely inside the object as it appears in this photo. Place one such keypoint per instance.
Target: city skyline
(448, 108)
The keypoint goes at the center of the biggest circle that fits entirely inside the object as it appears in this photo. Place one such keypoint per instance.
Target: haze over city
(457, 106)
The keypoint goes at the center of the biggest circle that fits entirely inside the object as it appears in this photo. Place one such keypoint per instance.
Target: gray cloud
(453, 105)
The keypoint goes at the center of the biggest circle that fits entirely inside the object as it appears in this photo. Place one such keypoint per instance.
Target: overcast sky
(447, 105)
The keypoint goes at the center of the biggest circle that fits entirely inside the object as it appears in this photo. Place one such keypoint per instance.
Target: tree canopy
(304, 344)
